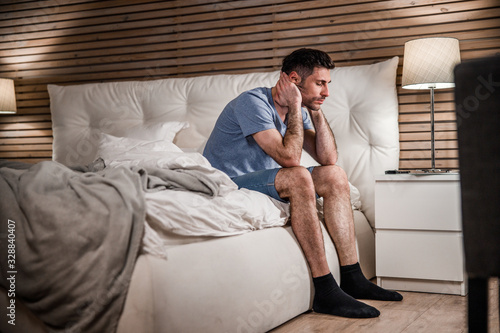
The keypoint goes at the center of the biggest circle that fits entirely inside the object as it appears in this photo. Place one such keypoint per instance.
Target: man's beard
(311, 106)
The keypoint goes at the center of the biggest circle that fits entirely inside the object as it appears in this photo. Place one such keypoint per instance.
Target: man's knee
(295, 181)
(331, 178)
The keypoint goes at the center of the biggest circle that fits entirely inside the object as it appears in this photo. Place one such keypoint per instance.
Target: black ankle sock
(330, 299)
(354, 283)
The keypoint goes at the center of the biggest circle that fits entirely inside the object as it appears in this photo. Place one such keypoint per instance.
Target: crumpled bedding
(77, 234)
(79, 230)
(195, 214)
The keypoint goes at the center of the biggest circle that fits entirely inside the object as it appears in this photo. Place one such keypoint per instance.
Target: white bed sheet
(184, 213)
(175, 217)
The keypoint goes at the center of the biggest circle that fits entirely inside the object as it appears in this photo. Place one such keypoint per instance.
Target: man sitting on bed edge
(258, 141)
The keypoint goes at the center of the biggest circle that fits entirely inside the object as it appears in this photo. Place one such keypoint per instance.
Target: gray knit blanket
(76, 234)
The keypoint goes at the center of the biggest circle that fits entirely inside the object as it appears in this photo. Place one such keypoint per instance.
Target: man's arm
(320, 144)
(287, 150)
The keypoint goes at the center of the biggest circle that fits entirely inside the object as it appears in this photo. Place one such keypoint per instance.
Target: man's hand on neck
(286, 95)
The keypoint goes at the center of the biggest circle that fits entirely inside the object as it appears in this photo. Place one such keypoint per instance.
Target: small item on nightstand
(393, 172)
(434, 172)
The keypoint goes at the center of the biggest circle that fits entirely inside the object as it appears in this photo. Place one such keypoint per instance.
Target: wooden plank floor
(418, 312)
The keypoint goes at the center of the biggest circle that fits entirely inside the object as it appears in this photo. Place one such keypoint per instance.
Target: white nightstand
(418, 233)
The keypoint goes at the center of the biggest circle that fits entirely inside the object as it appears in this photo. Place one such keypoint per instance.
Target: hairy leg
(331, 184)
(296, 184)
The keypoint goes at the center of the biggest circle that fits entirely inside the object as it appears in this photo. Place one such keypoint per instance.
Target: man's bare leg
(331, 184)
(296, 184)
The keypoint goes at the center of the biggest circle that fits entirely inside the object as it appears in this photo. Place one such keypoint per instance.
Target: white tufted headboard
(362, 110)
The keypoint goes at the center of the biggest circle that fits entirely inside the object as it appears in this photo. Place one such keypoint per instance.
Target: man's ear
(294, 77)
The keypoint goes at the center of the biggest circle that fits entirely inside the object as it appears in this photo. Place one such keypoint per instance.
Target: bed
(163, 242)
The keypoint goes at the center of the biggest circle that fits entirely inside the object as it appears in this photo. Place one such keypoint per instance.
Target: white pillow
(153, 131)
(190, 139)
(113, 148)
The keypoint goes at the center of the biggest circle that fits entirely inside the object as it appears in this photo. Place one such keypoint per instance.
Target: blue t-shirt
(231, 147)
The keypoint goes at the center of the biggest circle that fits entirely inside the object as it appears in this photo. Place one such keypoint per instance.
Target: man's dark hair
(304, 60)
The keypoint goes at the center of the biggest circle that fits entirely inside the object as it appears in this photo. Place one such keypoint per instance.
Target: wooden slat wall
(79, 41)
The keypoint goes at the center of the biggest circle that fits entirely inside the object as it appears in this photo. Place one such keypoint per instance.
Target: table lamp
(428, 64)
(7, 96)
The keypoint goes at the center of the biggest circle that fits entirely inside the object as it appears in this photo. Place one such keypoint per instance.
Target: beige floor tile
(311, 322)
(448, 314)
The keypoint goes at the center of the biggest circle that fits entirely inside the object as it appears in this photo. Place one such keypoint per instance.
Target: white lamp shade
(7, 96)
(429, 63)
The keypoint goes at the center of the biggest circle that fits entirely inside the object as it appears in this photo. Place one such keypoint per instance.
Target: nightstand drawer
(418, 205)
(420, 255)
